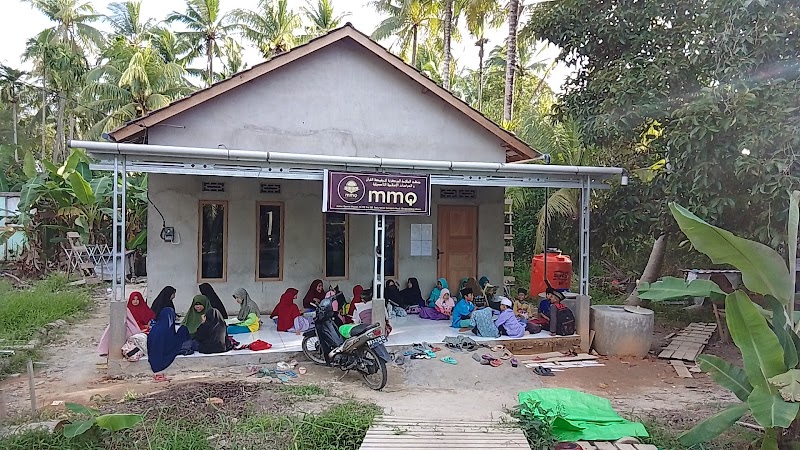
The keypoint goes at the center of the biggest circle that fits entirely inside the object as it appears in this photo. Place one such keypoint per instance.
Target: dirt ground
(420, 388)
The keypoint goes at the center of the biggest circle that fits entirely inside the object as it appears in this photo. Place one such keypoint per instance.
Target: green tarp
(577, 416)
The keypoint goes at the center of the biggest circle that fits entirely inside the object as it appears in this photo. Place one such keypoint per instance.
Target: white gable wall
(340, 100)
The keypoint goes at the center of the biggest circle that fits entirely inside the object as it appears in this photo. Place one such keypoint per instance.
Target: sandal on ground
(480, 360)
(449, 360)
(290, 373)
(514, 362)
(543, 371)
(302, 370)
(160, 378)
(498, 348)
(430, 353)
(496, 362)
(506, 355)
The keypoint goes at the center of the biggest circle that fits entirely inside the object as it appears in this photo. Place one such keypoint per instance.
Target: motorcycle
(362, 350)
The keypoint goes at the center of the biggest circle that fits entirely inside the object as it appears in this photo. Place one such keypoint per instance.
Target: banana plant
(768, 386)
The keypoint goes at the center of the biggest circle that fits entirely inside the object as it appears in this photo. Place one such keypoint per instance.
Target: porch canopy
(121, 158)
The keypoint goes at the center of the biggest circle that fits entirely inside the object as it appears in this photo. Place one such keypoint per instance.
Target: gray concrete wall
(177, 197)
(341, 100)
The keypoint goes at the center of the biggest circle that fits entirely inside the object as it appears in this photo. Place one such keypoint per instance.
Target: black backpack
(565, 320)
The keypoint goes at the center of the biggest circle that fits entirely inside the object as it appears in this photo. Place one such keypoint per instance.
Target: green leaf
(77, 408)
(101, 187)
(51, 168)
(139, 241)
(83, 169)
(794, 223)
(789, 383)
(713, 426)
(81, 188)
(763, 269)
(770, 410)
(70, 164)
(29, 194)
(3, 182)
(29, 165)
(116, 422)
(783, 332)
(78, 428)
(770, 440)
(727, 375)
(762, 354)
(671, 288)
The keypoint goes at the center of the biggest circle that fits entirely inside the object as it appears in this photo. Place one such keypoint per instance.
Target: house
(238, 170)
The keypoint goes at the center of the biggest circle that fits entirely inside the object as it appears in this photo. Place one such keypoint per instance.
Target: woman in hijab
(472, 283)
(164, 342)
(163, 300)
(249, 320)
(140, 311)
(441, 284)
(461, 286)
(288, 314)
(211, 335)
(131, 328)
(193, 319)
(411, 295)
(314, 295)
(214, 299)
(350, 308)
(393, 293)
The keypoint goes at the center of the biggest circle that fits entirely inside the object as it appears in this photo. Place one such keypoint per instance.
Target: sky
(20, 21)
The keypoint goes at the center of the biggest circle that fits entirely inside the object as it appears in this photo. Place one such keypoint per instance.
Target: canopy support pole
(118, 313)
(584, 240)
(378, 294)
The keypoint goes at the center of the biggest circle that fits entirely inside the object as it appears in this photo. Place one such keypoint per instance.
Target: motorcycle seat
(360, 329)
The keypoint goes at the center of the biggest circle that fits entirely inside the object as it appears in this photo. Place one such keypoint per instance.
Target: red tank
(559, 272)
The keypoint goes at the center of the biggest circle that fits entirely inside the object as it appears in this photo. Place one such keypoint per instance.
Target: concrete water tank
(621, 333)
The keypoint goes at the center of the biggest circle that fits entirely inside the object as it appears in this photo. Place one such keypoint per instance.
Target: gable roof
(516, 149)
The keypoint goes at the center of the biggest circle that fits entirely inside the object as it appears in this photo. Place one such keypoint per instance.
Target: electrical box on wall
(168, 234)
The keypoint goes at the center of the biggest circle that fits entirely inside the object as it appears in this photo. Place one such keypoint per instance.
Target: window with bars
(270, 188)
(270, 241)
(458, 193)
(213, 239)
(336, 245)
(213, 186)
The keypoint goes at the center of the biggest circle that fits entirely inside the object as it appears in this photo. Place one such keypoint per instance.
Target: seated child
(445, 303)
(562, 321)
(524, 306)
(507, 323)
(482, 322)
(463, 309)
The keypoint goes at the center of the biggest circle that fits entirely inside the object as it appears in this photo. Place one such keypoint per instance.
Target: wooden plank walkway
(390, 432)
(610, 446)
(689, 342)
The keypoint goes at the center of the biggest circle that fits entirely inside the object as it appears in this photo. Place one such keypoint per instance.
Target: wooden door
(457, 243)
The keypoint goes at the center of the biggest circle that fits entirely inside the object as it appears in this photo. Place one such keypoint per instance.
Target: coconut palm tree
(10, 89)
(205, 28)
(447, 5)
(513, 11)
(321, 17)
(73, 20)
(406, 19)
(132, 82)
(480, 14)
(126, 21)
(564, 143)
(272, 27)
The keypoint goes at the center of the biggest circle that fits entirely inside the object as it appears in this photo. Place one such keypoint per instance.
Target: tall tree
(10, 89)
(132, 82)
(321, 17)
(513, 10)
(479, 15)
(206, 28)
(272, 27)
(127, 22)
(448, 33)
(406, 20)
(73, 23)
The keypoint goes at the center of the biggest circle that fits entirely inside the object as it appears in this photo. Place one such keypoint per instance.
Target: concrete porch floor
(286, 346)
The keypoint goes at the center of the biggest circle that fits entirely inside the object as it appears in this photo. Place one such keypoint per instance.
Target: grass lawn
(24, 311)
(253, 416)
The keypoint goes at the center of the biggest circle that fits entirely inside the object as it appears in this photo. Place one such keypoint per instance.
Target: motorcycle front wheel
(312, 348)
(378, 378)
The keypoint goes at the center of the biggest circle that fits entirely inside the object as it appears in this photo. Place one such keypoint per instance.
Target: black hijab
(164, 300)
(212, 335)
(216, 302)
(393, 293)
(411, 296)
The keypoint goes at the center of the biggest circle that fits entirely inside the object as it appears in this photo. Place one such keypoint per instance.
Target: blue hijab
(435, 293)
(163, 342)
